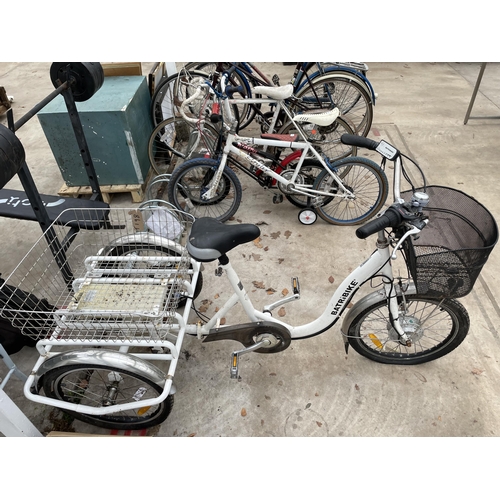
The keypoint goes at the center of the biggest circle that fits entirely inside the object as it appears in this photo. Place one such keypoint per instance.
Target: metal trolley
(105, 299)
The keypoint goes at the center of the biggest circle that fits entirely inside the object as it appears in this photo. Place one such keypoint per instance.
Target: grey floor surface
(314, 389)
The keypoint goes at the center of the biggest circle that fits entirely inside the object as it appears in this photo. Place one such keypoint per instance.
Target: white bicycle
(410, 320)
(342, 192)
(112, 317)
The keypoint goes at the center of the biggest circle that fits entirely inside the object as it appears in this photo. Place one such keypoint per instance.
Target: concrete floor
(313, 388)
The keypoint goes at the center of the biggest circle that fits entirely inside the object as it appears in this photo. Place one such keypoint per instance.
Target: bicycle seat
(211, 239)
(322, 119)
(278, 93)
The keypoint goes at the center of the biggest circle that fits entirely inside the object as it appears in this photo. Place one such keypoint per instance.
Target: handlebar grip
(230, 90)
(391, 218)
(359, 141)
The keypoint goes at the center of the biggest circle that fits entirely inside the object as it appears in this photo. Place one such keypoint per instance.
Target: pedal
(317, 201)
(277, 198)
(236, 355)
(276, 80)
(234, 365)
(295, 296)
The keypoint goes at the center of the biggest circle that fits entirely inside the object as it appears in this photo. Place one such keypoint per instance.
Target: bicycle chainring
(251, 333)
(288, 174)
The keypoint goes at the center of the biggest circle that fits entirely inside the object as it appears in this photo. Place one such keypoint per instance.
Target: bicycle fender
(368, 301)
(102, 358)
(142, 238)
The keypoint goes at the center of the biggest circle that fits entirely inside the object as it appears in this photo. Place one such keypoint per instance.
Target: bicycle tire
(175, 140)
(190, 180)
(365, 179)
(85, 383)
(378, 343)
(172, 91)
(325, 140)
(344, 92)
(246, 112)
(309, 171)
(328, 68)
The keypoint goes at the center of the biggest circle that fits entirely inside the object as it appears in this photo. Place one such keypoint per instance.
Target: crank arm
(295, 296)
(236, 355)
(274, 305)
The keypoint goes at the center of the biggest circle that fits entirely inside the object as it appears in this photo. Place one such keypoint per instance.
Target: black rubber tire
(196, 174)
(11, 338)
(365, 179)
(309, 171)
(122, 250)
(457, 326)
(172, 91)
(352, 99)
(325, 140)
(12, 155)
(246, 112)
(169, 143)
(53, 386)
(87, 78)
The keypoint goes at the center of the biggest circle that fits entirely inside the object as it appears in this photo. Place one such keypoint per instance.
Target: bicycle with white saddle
(342, 192)
(445, 237)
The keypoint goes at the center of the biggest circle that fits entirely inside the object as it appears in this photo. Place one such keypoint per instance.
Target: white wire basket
(114, 275)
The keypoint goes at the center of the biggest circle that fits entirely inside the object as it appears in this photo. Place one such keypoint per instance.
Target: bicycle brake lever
(413, 231)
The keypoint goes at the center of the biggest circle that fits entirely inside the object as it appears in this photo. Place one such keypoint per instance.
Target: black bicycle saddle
(210, 239)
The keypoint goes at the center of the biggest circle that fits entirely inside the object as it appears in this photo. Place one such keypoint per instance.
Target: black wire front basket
(447, 258)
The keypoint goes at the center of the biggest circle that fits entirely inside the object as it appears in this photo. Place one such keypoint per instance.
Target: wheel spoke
(434, 328)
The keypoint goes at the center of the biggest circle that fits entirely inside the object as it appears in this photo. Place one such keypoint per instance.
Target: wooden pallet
(136, 191)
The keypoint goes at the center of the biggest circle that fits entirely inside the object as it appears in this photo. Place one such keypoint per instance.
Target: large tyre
(88, 384)
(175, 140)
(192, 179)
(365, 179)
(12, 155)
(436, 328)
(325, 140)
(343, 92)
(86, 78)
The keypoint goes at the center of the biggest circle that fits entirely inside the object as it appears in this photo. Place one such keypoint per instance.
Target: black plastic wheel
(12, 155)
(193, 178)
(86, 78)
(307, 216)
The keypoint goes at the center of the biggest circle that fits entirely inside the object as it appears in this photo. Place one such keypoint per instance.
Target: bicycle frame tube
(305, 146)
(379, 263)
(299, 188)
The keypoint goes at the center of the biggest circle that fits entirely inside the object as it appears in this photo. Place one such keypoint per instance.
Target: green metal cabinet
(117, 125)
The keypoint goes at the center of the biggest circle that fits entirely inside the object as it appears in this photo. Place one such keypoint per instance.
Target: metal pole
(474, 93)
(30, 114)
(13, 369)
